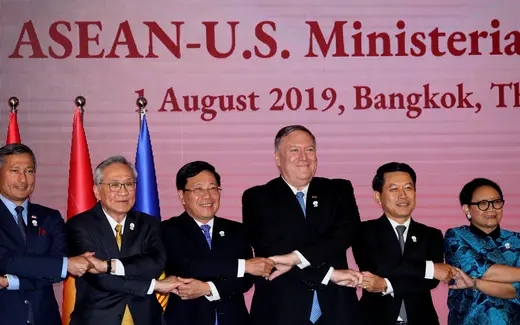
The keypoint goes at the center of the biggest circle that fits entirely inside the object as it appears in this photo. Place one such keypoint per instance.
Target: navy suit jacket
(276, 225)
(189, 256)
(38, 265)
(377, 250)
(101, 298)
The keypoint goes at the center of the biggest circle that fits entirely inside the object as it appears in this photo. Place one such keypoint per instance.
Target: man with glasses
(129, 255)
(209, 254)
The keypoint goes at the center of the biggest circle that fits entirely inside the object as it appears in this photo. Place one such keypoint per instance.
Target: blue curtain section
(146, 196)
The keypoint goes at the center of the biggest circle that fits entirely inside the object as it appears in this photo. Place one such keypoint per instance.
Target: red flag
(13, 134)
(81, 196)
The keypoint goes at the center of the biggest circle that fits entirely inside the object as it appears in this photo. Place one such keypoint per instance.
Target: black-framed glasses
(214, 190)
(484, 204)
(116, 186)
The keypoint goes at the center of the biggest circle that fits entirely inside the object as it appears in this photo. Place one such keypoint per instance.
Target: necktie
(400, 231)
(207, 235)
(127, 317)
(21, 223)
(23, 232)
(299, 196)
(315, 309)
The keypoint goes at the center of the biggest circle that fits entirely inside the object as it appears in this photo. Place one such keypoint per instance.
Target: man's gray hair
(285, 131)
(98, 173)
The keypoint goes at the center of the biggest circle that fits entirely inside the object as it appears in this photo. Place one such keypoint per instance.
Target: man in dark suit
(308, 222)
(211, 255)
(129, 254)
(402, 259)
(33, 246)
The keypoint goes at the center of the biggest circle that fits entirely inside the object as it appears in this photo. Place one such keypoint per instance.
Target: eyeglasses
(484, 204)
(214, 190)
(116, 186)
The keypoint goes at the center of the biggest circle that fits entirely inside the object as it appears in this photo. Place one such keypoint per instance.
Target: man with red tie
(33, 246)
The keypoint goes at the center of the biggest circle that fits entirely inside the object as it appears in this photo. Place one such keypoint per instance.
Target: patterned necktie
(21, 223)
(207, 235)
(315, 309)
(400, 231)
(127, 317)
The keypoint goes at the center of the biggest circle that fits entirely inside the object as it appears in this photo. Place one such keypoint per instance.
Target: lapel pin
(507, 245)
(132, 226)
(315, 204)
(35, 223)
(414, 239)
(222, 233)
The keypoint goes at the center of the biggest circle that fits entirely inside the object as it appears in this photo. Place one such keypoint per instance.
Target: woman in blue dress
(487, 283)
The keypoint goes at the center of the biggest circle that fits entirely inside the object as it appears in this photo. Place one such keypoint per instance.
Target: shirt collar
(295, 190)
(209, 223)
(114, 223)
(11, 206)
(494, 234)
(395, 224)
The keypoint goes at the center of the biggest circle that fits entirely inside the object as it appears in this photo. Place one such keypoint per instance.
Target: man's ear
(180, 193)
(377, 197)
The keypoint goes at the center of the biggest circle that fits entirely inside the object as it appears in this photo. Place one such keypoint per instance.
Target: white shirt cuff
(304, 263)
(120, 268)
(214, 292)
(241, 268)
(389, 288)
(152, 286)
(430, 270)
(327, 277)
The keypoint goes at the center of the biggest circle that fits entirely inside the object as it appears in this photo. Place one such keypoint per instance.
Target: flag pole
(13, 103)
(80, 102)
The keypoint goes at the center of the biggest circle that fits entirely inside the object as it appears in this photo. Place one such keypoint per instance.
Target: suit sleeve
(404, 286)
(81, 242)
(231, 286)
(251, 217)
(341, 233)
(47, 268)
(185, 263)
(151, 262)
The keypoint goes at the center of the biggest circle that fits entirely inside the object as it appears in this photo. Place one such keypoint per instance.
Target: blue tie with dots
(207, 235)
(315, 309)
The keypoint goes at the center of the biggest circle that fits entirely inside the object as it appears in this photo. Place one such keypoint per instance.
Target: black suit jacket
(377, 250)
(38, 265)
(189, 256)
(276, 225)
(101, 298)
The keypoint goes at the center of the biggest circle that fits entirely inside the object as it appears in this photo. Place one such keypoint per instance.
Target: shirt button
(26, 302)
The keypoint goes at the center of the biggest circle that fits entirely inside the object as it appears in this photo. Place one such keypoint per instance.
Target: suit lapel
(288, 202)
(312, 206)
(193, 231)
(389, 237)
(7, 219)
(33, 221)
(129, 233)
(102, 226)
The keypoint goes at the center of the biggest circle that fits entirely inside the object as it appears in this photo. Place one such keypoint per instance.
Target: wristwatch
(109, 266)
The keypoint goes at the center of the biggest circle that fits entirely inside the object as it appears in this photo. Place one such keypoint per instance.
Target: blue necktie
(23, 231)
(207, 235)
(315, 309)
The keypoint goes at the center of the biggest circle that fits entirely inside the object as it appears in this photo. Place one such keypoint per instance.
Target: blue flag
(146, 195)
